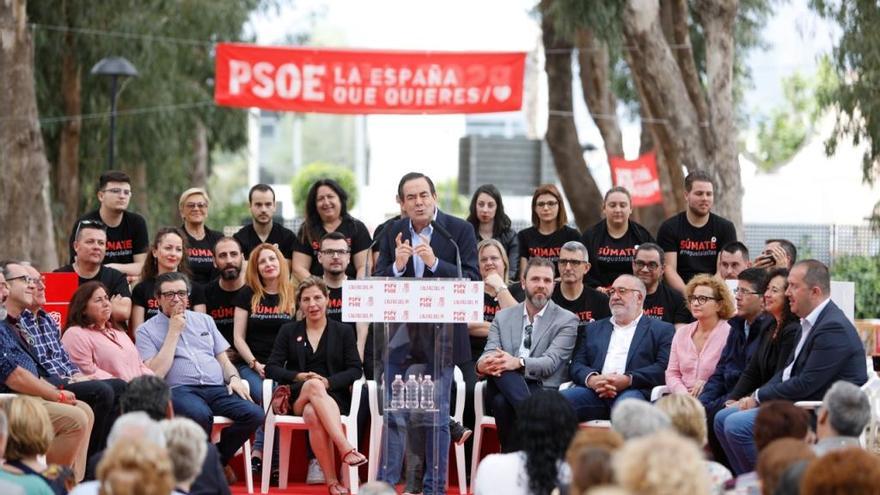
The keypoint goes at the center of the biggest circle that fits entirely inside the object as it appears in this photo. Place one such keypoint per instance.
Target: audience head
(574, 262)
(136, 425)
(39, 287)
(326, 201)
(780, 419)
(732, 259)
(20, 287)
(311, 298)
(850, 471)
(167, 253)
(334, 254)
(30, 430)
(266, 265)
(537, 281)
(261, 199)
(172, 290)
(90, 242)
(687, 415)
(809, 283)
(418, 198)
(776, 458)
(663, 463)
(589, 456)
(545, 424)
(114, 190)
(648, 264)
(193, 205)
(487, 205)
(492, 258)
(699, 193)
(776, 302)
(228, 258)
(135, 467)
(790, 480)
(749, 294)
(708, 297)
(548, 207)
(617, 206)
(187, 445)
(773, 246)
(845, 411)
(89, 305)
(634, 418)
(149, 394)
(626, 298)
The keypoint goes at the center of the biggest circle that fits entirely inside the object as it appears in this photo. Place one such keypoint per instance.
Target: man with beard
(220, 292)
(528, 348)
(261, 199)
(693, 238)
(621, 357)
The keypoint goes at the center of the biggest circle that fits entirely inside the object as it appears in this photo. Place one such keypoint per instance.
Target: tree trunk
(652, 216)
(67, 184)
(198, 176)
(577, 183)
(595, 74)
(28, 229)
(718, 18)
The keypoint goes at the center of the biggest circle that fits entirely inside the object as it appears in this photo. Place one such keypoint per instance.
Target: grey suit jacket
(553, 338)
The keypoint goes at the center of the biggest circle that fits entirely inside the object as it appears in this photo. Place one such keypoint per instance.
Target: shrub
(865, 272)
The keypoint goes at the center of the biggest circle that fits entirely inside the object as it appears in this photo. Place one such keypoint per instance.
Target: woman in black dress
(318, 358)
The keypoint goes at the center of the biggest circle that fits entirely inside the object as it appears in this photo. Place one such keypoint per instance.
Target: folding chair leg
(475, 453)
(248, 474)
(268, 447)
(284, 435)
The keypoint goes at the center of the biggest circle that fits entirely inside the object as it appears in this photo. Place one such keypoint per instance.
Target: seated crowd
(679, 384)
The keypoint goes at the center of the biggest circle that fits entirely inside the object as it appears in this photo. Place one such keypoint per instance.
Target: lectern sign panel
(412, 300)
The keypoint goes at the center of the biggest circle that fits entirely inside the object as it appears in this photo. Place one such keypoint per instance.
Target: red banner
(349, 81)
(639, 177)
(59, 289)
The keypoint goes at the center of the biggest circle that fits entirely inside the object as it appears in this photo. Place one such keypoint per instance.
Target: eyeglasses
(193, 206)
(546, 204)
(334, 252)
(91, 224)
(622, 291)
(701, 300)
(574, 263)
(119, 191)
(744, 292)
(175, 294)
(527, 340)
(651, 265)
(28, 280)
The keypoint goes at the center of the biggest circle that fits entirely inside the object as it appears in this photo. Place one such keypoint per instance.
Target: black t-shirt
(220, 304)
(356, 235)
(262, 324)
(280, 235)
(124, 241)
(143, 295)
(115, 281)
(533, 243)
(592, 305)
(201, 255)
(610, 257)
(334, 304)
(667, 304)
(697, 248)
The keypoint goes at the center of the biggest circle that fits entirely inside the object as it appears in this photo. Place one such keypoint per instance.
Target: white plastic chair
(221, 422)
(286, 424)
(376, 426)
(658, 392)
(481, 421)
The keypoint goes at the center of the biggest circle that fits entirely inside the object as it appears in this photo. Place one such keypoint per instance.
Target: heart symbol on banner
(501, 93)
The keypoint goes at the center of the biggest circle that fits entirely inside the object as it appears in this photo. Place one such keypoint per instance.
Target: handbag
(281, 400)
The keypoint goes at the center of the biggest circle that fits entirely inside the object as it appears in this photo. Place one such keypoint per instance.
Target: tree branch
(595, 75)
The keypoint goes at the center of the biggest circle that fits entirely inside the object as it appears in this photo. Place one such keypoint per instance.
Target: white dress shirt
(618, 346)
(523, 352)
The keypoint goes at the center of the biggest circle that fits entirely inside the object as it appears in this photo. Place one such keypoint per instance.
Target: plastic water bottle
(412, 393)
(397, 392)
(427, 402)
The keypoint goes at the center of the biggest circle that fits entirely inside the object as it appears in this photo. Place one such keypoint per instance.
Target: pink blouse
(107, 353)
(686, 365)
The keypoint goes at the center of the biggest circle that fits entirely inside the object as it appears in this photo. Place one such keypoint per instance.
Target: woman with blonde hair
(696, 347)
(549, 230)
(135, 467)
(663, 463)
(200, 240)
(262, 306)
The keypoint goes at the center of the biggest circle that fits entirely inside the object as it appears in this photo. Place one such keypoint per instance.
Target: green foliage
(228, 189)
(322, 170)
(865, 272)
(856, 63)
(449, 200)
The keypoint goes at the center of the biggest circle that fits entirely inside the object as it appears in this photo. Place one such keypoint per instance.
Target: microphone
(445, 233)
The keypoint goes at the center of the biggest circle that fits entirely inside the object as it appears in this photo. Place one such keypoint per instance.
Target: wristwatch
(522, 365)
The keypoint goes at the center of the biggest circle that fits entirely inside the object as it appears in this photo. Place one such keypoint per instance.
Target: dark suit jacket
(736, 355)
(831, 352)
(463, 233)
(289, 358)
(771, 356)
(646, 361)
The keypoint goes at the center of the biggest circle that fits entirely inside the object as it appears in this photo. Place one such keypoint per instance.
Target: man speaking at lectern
(422, 245)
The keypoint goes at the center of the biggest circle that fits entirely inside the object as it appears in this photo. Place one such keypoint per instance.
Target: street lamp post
(114, 67)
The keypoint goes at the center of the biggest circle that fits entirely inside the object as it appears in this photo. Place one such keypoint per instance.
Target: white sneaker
(315, 475)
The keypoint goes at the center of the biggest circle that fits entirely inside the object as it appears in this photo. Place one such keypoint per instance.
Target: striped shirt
(195, 361)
